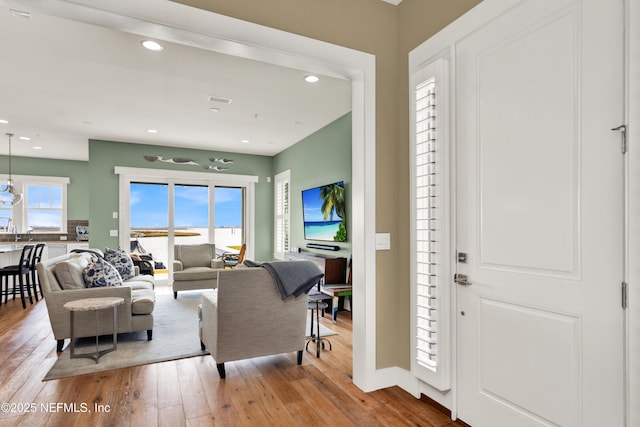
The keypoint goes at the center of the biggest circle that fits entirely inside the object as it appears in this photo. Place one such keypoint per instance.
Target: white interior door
(539, 215)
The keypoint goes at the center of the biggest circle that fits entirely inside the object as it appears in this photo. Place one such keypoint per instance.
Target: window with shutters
(281, 214)
(429, 226)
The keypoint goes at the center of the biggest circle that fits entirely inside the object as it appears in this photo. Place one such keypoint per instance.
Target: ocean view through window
(151, 222)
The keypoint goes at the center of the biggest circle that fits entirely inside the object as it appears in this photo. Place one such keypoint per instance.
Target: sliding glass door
(149, 224)
(191, 214)
(229, 214)
(162, 215)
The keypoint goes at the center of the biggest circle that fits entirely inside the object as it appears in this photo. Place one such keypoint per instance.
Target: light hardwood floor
(266, 391)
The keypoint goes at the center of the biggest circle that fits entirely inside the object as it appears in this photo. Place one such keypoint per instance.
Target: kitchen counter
(4, 248)
(10, 251)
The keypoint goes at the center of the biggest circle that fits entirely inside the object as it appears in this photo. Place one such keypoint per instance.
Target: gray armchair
(195, 267)
(246, 317)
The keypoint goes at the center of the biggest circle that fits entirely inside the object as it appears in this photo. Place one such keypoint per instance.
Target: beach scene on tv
(324, 213)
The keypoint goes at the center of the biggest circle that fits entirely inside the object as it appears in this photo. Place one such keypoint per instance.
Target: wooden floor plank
(144, 395)
(168, 385)
(271, 390)
(194, 400)
(171, 416)
(218, 395)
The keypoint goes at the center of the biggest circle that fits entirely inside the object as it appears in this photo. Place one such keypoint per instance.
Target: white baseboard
(395, 376)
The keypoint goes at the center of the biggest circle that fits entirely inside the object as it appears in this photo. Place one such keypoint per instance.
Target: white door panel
(539, 210)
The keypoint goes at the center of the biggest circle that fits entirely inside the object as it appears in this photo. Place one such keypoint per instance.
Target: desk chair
(20, 271)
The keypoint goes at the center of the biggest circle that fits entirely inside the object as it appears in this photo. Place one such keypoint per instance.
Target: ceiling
(64, 82)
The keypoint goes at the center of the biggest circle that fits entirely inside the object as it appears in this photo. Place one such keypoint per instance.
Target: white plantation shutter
(429, 222)
(426, 224)
(281, 214)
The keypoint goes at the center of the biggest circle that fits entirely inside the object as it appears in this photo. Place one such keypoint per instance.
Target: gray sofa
(246, 317)
(61, 281)
(195, 267)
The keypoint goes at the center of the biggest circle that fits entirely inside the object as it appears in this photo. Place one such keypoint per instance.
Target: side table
(94, 304)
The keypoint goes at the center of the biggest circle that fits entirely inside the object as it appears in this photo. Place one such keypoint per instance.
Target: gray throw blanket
(294, 277)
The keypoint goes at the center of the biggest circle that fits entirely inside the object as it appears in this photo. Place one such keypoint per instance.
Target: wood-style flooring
(266, 391)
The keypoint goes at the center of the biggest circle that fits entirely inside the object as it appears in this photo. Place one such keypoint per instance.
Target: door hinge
(623, 133)
(625, 287)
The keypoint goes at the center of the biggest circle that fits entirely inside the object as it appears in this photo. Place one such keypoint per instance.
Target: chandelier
(8, 194)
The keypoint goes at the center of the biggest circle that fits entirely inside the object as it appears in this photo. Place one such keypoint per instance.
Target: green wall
(103, 199)
(322, 158)
(76, 171)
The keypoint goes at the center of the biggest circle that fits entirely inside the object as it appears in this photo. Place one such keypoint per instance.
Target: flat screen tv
(323, 213)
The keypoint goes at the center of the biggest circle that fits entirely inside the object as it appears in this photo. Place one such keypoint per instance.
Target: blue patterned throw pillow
(121, 261)
(99, 273)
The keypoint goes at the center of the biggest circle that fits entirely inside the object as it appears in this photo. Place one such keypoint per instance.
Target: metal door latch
(462, 257)
(461, 279)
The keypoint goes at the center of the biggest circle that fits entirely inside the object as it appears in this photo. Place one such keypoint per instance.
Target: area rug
(175, 336)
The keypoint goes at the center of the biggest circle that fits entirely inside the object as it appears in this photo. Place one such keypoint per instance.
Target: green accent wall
(104, 198)
(322, 158)
(76, 171)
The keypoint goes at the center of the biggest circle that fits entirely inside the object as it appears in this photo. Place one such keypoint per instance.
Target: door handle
(461, 279)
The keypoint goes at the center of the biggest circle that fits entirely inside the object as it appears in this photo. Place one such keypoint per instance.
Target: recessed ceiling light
(214, 110)
(311, 79)
(4, 122)
(152, 131)
(245, 141)
(151, 45)
(37, 147)
(24, 138)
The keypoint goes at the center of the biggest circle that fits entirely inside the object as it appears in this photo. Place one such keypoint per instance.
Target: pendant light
(8, 194)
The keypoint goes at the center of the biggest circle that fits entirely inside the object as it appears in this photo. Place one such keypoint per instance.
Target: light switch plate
(383, 241)
(115, 215)
(113, 233)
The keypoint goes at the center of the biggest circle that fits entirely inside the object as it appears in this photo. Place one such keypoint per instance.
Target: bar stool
(36, 257)
(317, 302)
(20, 271)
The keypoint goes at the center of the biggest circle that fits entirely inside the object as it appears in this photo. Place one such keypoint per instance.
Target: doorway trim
(127, 175)
(207, 30)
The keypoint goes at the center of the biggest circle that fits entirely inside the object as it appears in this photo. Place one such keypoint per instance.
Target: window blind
(427, 209)
(281, 215)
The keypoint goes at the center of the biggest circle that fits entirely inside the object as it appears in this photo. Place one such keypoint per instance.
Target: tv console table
(334, 282)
